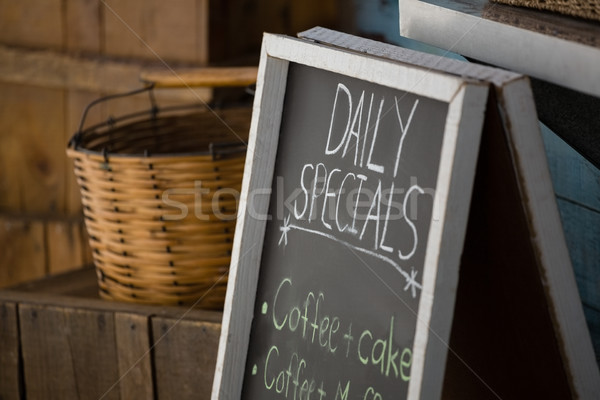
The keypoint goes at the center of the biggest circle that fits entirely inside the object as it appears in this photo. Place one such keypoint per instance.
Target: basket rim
(215, 150)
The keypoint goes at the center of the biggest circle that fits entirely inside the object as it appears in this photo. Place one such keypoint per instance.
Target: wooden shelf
(559, 49)
(60, 340)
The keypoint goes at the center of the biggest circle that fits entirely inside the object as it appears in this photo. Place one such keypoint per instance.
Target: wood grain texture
(154, 30)
(210, 77)
(31, 23)
(47, 360)
(22, 250)
(64, 246)
(134, 356)
(10, 379)
(185, 356)
(52, 69)
(82, 26)
(31, 121)
(575, 179)
(68, 353)
(582, 230)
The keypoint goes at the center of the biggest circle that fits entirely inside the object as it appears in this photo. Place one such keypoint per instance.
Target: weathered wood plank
(154, 30)
(10, 387)
(574, 178)
(582, 231)
(93, 349)
(47, 360)
(10, 155)
(68, 353)
(57, 70)
(64, 246)
(593, 320)
(134, 356)
(78, 289)
(31, 23)
(185, 356)
(79, 284)
(211, 77)
(82, 26)
(22, 250)
(31, 120)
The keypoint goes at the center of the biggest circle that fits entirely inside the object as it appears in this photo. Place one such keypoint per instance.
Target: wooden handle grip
(201, 77)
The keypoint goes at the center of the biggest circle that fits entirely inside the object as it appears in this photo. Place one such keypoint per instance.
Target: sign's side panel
(531, 167)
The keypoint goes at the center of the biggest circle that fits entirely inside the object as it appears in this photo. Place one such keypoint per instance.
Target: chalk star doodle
(411, 283)
(411, 278)
(284, 229)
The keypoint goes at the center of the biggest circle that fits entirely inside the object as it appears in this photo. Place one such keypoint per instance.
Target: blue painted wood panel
(577, 186)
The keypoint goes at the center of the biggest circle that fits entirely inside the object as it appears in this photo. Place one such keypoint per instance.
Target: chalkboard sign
(353, 244)
(341, 268)
(356, 195)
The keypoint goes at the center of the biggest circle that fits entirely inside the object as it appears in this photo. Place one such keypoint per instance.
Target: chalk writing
(336, 307)
(312, 323)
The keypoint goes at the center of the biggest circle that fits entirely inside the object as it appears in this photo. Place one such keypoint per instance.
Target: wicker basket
(159, 195)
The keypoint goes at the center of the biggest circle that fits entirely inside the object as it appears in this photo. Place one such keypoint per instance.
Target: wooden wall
(577, 186)
(56, 56)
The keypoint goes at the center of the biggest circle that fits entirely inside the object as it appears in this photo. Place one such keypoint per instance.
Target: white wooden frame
(552, 59)
(466, 99)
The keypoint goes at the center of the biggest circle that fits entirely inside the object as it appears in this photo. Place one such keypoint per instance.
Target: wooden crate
(59, 340)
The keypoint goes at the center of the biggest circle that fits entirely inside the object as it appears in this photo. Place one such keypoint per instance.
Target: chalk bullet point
(254, 370)
(265, 307)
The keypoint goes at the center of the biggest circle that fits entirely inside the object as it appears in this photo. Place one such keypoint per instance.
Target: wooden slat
(82, 26)
(93, 346)
(154, 30)
(22, 250)
(64, 246)
(185, 355)
(79, 284)
(57, 70)
(210, 77)
(31, 23)
(68, 353)
(9, 352)
(10, 154)
(32, 122)
(582, 230)
(574, 178)
(134, 357)
(47, 360)
(78, 289)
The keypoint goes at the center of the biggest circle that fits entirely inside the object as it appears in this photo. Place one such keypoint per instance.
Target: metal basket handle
(148, 88)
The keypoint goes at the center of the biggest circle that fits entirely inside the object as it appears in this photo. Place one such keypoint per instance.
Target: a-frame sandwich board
(518, 327)
(399, 345)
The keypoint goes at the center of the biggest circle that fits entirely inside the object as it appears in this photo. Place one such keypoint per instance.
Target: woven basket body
(160, 201)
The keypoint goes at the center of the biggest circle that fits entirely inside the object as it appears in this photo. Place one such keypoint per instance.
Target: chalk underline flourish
(411, 282)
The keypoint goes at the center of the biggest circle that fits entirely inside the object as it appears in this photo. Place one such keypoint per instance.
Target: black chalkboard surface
(334, 285)
(343, 257)
(356, 196)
